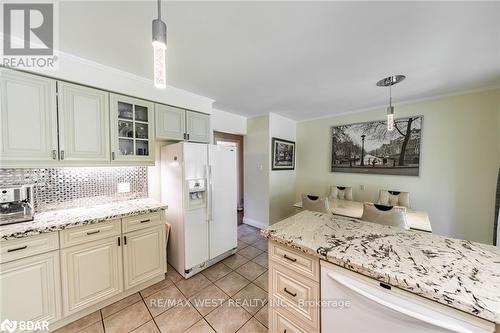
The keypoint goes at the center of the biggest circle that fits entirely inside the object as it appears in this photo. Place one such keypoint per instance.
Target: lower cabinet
(91, 272)
(30, 288)
(144, 255)
(52, 276)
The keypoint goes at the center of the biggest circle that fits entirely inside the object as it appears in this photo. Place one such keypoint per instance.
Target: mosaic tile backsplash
(59, 188)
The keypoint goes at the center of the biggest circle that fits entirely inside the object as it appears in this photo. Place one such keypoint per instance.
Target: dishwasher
(352, 303)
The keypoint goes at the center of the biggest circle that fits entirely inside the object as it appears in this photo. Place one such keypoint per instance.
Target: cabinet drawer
(88, 233)
(133, 223)
(281, 322)
(13, 249)
(297, 294)
(295, 260)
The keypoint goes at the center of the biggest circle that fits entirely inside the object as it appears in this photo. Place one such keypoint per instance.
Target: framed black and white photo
(283, 154)
(370, 148)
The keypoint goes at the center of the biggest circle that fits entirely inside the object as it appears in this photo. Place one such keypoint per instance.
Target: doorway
(236, 141)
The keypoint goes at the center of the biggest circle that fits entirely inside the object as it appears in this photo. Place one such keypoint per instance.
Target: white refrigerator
(199, 185)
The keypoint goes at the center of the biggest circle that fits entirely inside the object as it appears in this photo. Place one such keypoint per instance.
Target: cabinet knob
(62, 154)
(113, 155)
(54, 154)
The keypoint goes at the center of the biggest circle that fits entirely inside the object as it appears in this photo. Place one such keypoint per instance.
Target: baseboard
(254, 223)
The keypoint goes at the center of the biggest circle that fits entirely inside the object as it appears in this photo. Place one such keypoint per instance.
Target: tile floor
(228, 297)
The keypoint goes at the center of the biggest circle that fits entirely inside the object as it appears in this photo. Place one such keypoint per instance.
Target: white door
(30, 288)
(28, 119)
(83, 123)
(195, 220)
(144, 255)
(198, 127)
(222, 210)
(170, 122)
(91, 273)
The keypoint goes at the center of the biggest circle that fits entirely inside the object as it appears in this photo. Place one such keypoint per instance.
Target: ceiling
(299, 59)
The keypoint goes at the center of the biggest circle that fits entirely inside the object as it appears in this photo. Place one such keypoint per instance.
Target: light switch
(362, 187)
(123, 187)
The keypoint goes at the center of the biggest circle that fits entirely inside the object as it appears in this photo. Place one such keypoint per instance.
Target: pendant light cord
(159, 10)
(390, 95)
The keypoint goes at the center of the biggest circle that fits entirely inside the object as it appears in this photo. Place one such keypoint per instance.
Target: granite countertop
(461, 274)
(68, 218)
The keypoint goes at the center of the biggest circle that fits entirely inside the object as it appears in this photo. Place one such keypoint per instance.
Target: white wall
(226, 122)
(282, 184)
(78, 70)
(459, 162)
(256, 177)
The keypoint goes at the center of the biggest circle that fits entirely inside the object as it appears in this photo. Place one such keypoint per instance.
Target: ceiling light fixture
(389, 82)
(159, 48)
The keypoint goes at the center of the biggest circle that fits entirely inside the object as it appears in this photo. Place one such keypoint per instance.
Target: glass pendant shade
(159, 51)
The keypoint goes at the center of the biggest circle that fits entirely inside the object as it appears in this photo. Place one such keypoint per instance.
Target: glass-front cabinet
(132, 126)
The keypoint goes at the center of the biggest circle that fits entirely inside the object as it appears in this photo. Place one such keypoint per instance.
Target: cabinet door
(144, 255)
(170, 122)
(198, 126)
(31, 288)
(91, 273)
(132, 129)
(83, 123)
(28, 119)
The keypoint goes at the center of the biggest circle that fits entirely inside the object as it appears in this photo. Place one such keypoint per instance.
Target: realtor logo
(29, 35)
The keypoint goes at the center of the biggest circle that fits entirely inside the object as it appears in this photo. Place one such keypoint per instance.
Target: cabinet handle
(288, 258)
(119, 241)
(289, 292)
(93, 232)
(145, 221)
(62, 154)
(188, 136)
(124, 240)
(112, 155)
(17, 249)
(54, 154)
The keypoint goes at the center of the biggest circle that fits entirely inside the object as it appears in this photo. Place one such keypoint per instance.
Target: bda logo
(8, 325)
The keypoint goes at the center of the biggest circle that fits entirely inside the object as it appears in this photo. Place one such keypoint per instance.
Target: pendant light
(389, 82)
(159, 48)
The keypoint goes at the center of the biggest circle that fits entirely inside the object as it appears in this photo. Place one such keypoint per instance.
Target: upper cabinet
(47, 123)
(28, 118)
(170, 122)
(132, 129)
(83, 123)
(178, 124)
(197, 126)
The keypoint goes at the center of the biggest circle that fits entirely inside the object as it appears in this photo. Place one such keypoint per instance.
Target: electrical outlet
(362, 187)
(123, 187)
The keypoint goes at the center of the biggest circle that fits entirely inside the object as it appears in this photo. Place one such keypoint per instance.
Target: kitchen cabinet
(91, 273)
(83, 123)
(293, 283)
(170, 122)
(28, 118)
(197, 127)
(174, 123)
(31, 288)
(144, 255)
(132, 130)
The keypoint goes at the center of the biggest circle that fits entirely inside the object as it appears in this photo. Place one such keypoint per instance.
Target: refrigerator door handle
(210, 193)
(433, 321)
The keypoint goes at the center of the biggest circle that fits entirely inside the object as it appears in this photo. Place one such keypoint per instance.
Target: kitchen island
(460, 274)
